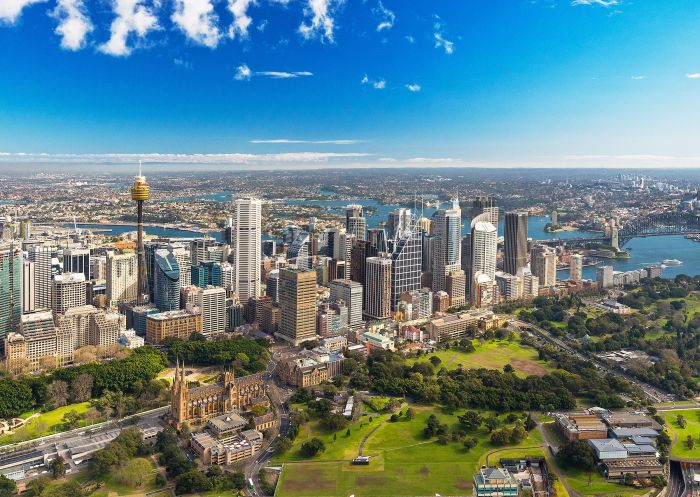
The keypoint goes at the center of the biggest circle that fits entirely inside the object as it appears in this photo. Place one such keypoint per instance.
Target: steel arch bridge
(662, 224)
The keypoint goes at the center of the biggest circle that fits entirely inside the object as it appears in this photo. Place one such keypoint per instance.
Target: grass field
(44, 424)
(493, 354)
(692, 417)
(403, 463)
(594, 484)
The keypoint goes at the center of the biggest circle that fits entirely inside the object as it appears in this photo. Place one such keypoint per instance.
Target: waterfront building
(297, 296)
(604, 276)
(515, 242)
(247, 219)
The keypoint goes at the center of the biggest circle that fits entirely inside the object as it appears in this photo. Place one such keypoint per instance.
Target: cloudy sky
(575, 83)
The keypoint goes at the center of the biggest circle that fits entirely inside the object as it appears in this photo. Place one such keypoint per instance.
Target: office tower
(455, 287)
(467, 262)
(268, 317)
(234, 315)
(299, 252)
(173, 324)
(247, 219)
(121, 278)
(10, 290)
(604, 277)
(515, 242)
(291, 231)
(485, 205)
(576, 267)
(351, 293)
(25, 229)
(427, 244)
(485, 291)
(424, 224)
(139, 193)
(554, 218)
(543, 264)
(166, 281)
(198, 250)
(297, 305)
(447, 233)
(273, 285)
(98, 268)
(149, 250)
(398, 220)
(378, 287)
(69, 290)
(77, 261)
(359, 253)
(206, 273)
(41, 257)
(510, 287)
(483, 249)
(406, 263)
(531, 283)
(377, 241)
(421, 302)
(269, 248)
(28, 287)
(344, 253)
(183, 257)
(355, 222)
(212, 304)
(227, 233)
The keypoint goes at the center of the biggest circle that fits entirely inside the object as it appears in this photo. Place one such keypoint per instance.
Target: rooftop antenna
(140, 168)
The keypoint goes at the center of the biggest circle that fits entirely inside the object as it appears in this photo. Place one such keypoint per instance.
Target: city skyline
(530, 84)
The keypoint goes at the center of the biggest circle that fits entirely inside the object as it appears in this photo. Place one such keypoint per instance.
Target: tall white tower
(247, 229)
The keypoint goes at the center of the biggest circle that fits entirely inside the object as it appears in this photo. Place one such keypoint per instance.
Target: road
(676, 484)
(653, 393)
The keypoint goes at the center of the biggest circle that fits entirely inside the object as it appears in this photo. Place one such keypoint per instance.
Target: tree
(135, 472)
(81, 388)
(501, 437)
(7, 487)
(508, 368)
(491, 423)
(577, 454)
(70, 488)
(518, 434)
(58, 468)
(410, 413)
(312, 447)
(470, 443)
(690, 442)
(530, 423)
(435, 360)
(57, 392)
(394, 418)
(160, 480)
(680, 420)
(71, 419)
(471, 420)
(192, 481)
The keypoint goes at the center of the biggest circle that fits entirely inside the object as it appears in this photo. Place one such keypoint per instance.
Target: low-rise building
(303, 372)
(575, 426)
(227, 451)
(226, 424)
(608, 448)
(494, 482)
(177, 324)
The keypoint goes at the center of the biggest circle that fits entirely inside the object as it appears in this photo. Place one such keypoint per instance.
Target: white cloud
(414, 87)
(602, 3)
(410, 39)
(315, 142)
(693, 75)
(73, 23)
(198, 21)
(322, 23)
(388, 17)
(447, 45)
(638, 77)
(244, 73)
(377, 84)
(132, 17)
(10, 10)
(241, 19)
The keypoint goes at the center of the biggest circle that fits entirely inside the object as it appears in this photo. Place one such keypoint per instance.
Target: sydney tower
(139, 193)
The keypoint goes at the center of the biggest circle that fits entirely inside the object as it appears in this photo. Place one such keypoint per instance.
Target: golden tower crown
(140, 189)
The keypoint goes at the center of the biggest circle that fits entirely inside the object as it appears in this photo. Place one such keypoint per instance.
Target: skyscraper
(351, 293)
(377, 241)
(212, 303)
(139, 193)
(10, 290)
(604, 276)
(247, 221)
(206, 273)
(485, 205)
(297, 305)
(355, 222)
(77, 261)
(576, 267)
(484, 245)
(406, 263)
(69, 291)
(446, 230)
(166, 281)
(300, 251)
(515, 242)
(272, 288)
(378, 287)
(121, 278)
(398, 221)
(41, 257)
(543, 263)
(28, 288)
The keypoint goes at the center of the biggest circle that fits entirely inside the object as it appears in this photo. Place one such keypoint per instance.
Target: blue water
(224, 196)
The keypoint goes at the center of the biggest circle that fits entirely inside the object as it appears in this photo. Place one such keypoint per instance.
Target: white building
(41, 257)
(576, 267)
(350, 292)
(69, 290)
(247, 220)
(121, 278)
(212, 302)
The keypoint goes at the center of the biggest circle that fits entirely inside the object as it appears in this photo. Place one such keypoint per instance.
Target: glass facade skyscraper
(166, 281)
(10, 290)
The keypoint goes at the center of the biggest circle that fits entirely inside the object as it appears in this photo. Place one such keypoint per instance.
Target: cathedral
(196, 405)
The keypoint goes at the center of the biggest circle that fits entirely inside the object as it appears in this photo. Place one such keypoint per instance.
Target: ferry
(671, 262)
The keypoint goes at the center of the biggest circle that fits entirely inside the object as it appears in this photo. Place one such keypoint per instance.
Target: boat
(671, 262)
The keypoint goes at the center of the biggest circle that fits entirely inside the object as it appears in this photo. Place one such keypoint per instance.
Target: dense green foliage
(577, 455)
(128, 444)
(246, 356)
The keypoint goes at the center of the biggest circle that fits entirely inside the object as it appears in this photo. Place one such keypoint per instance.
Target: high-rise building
(455, 286)
(377, 241)
(69, 290)
(77, 261)
(576, 267)
(183, 257)
(247, 220)
(484, 247)
(485, 205)
(447, 233)
(212, 304)
(166, 281)
(41, 257)
(28, 287)
(297, 305)
(206, 273)
(378, 287)
(358, 257)
(355, 222)
(299, 251)
(351, 293)
(515, 242)
(406, 264)
(543, 264)
(199, 250)
(10, 290)
(604, 276)
(398, 220)
(121, 281)
(177, 324)
(272, 289)
(510, 287)
(139, 193)
(531, 283)
(269, 248)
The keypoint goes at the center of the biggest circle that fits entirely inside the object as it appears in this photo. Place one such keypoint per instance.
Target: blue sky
(613, 83)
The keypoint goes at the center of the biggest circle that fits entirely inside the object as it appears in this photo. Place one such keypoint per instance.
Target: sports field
(493, 354)
(403, 463)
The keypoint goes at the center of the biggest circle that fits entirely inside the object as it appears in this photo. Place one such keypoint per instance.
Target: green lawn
(44, 424)
(403, 463)
(692, 417)
(579, 481)
(493, 354)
